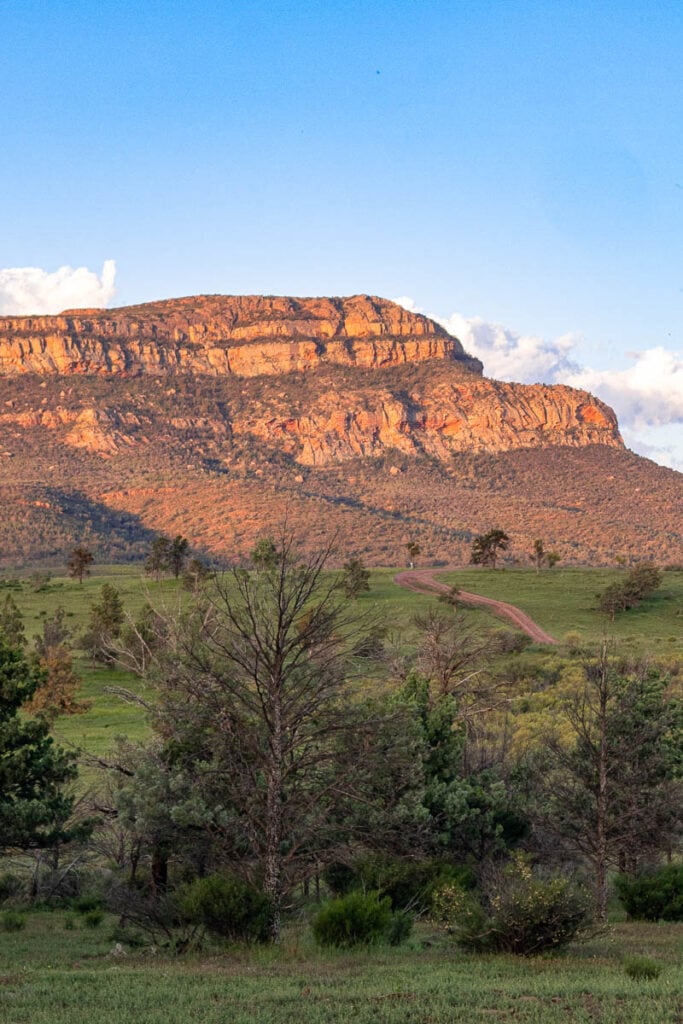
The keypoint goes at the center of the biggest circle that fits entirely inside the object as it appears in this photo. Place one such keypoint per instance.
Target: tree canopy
(34, 806)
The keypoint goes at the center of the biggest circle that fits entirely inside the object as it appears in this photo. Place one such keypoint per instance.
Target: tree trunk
(602, 798)
(272, 882)
(159, 870)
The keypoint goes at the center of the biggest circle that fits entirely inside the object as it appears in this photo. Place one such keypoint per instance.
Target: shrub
(93, 918)
(409, 884)
(642, 968)
(519, 912)
(400, 927)
(655, 896)
(10, 885)
(128, 936)
(509, 641)
(11, 921)
(359, 919)
(84, 904)
(227, 907)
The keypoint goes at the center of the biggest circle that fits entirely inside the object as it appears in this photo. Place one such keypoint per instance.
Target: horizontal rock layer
(245, 336)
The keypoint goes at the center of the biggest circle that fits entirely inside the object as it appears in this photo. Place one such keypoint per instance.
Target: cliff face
(378, 378)
(439, 419)
(248, 336)
(193, 416)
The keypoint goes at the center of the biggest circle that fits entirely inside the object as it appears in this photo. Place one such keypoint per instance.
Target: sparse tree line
(272, 775)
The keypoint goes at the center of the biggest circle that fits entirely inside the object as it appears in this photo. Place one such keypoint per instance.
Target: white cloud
(647, 395)
(31, 290)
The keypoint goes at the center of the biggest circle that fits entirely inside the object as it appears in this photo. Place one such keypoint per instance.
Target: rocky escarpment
(438, 416)
(246, 336)
(384, 379)
(193, 416)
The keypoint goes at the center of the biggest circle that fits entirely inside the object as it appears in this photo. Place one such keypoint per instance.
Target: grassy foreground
(49, 975)
(562, 601)
(565, 601)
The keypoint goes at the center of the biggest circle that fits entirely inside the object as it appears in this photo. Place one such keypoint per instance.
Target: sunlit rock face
(324, 414)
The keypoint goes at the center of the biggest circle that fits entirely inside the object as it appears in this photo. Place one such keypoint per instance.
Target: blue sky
(515, 168)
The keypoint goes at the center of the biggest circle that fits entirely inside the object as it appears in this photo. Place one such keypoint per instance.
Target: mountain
(217, 416)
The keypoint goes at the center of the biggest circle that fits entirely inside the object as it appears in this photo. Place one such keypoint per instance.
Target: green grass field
(50, 975)
(562, 601)
(565, 600)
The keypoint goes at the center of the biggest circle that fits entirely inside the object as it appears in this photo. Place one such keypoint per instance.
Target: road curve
(423, 581)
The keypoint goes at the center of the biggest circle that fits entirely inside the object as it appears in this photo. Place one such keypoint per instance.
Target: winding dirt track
(423, 581)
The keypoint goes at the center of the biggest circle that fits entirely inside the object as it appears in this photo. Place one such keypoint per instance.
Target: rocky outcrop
(479, 415)
(246, 336)
(424, 394)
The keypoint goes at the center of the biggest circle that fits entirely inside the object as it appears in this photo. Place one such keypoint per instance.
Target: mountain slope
(217, 416)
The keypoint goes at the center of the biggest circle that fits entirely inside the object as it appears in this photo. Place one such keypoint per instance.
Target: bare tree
(257, 710)
(609, 794)
(79, 562)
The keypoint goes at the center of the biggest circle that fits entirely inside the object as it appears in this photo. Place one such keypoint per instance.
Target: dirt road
(423, 581)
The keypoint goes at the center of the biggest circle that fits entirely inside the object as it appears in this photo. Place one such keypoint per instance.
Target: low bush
(642, 968)
(509, 641)
(84, 904)
(93, 918)
(10, 885)
(517, 912)
(360, 919)
(653, 896)
(227, 907)
(400, 927)
(11, 921)
(409, 884)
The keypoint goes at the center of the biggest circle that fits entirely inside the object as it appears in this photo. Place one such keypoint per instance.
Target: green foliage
(33, 771)
(642, 968)
(400, 927)
(610, 795)
(195, 574)
(177, 554)
(79, 562)
(473, 815)
(55, 976)
(653, 896)
(413, 549)
(55, 633)
(157, 560)
(167, 555)
(265, 555)
(10, 885)
(93, 918)
(540, 557)
(12, 623)
(355, 578)
(106, 620)
(487, 546)
(359, 919)
(409, 884)
(87, 902)
(641, 582)
(519, 912)
(12, 921)
(227, 907)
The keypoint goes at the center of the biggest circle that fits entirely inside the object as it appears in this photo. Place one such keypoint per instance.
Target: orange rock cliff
(440, 406)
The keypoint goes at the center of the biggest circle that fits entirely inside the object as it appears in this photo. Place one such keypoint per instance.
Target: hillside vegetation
(562, 601)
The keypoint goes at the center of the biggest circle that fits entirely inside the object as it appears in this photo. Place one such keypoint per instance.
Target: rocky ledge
(241, 335)
(385, 379)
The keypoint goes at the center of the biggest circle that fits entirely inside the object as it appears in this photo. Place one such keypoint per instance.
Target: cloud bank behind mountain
(647, 395)
(26, 291)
